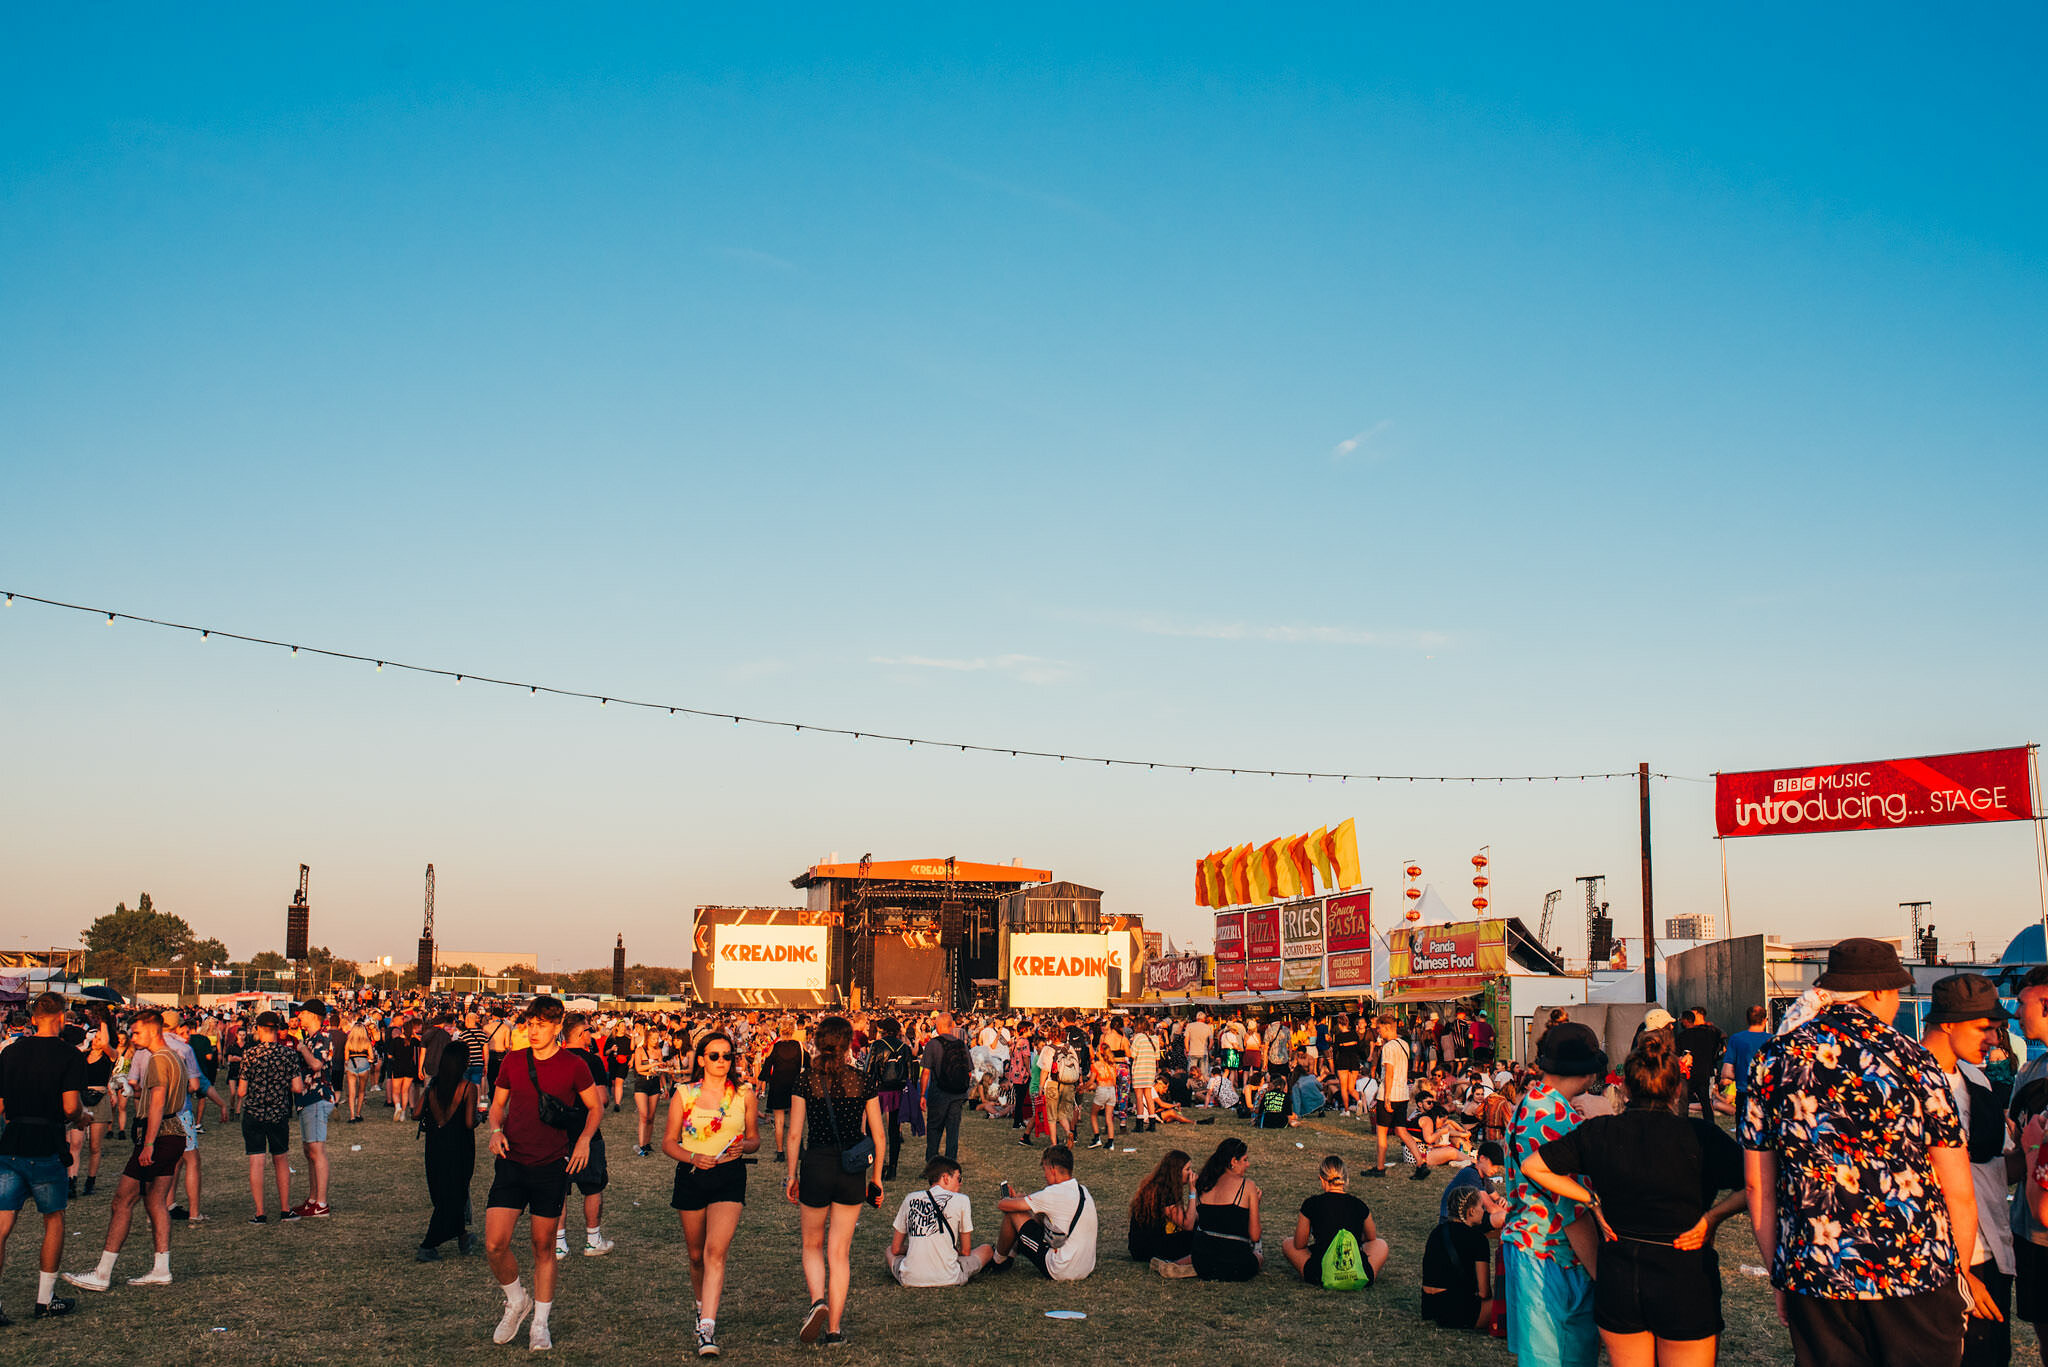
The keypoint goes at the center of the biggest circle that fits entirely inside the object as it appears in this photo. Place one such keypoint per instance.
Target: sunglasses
(713, 1058)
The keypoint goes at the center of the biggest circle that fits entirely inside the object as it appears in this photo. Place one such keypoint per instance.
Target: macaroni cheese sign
(1937, 790)
(784, 957)
(1063, 970)
(1461, 949)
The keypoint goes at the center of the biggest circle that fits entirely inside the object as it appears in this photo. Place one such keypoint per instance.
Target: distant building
(1698, 926)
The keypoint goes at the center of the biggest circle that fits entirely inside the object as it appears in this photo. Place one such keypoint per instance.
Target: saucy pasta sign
(768, 956)
(1062, 970)
(1936, 790)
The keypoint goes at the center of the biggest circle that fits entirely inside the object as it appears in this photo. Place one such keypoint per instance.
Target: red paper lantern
(1414, 914)
(1414, 894)
(1478, 861)
(1415, 870)
(1479, 904)
(1481, 881)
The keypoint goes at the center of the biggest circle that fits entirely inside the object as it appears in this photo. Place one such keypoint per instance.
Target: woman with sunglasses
(711, 1125)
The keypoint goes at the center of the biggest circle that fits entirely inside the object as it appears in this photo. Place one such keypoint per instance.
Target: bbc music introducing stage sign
(1935, 790)
(778, 957)
(1067, 970)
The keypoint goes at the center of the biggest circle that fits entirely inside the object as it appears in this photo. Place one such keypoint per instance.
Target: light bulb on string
(110, 619)
(380, 666)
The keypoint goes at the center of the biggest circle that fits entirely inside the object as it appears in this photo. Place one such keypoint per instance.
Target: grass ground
(345, 1289)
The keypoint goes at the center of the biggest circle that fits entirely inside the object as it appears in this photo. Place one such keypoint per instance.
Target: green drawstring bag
(1344, 1267)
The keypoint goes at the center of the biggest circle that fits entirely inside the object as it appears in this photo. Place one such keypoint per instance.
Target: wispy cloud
(1031, 669)
(1276, 633)
(1352, 444)
(1043, 198)
(756, 258)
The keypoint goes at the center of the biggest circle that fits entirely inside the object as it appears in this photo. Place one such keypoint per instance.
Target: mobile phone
(874, 1195)
(1003, 1188)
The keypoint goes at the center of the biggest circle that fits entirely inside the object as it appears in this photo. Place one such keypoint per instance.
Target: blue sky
(1494, 393)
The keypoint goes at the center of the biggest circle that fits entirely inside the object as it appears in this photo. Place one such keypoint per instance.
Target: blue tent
(2030, 946)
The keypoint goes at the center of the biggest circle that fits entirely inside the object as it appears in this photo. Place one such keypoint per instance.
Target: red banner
(1351, 970)
(1173, 975)
(1347, 923)
(1262, 975)
(1229, 977)
(1938, 790)
(1230, 937)
(1262, 933)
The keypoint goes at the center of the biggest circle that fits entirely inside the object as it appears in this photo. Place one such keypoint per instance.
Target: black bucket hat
(1569, 1049)
(1966, 997)
(1864, 965)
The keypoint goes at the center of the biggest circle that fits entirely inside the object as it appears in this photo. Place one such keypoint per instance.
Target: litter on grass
(1065, 1315)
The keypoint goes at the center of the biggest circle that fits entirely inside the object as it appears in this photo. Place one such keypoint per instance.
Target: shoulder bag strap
(940, 1211)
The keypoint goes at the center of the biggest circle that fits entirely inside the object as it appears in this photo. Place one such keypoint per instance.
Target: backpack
(1344, 1266)
(894, 1069)
(1067, 1067)
(952, 1074)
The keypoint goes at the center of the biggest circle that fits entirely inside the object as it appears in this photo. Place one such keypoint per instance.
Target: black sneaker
(999, 1265)
(180, 1213)
(90, 1183)
(259, 1219)
(4, 1320)
(58, 1307)
(814, 1323)
(1375, 1172)
(1419, 1175)
(835, 1339)
(424, 1254)
(292, 1214)
(707, 1342)
(1026, 1142)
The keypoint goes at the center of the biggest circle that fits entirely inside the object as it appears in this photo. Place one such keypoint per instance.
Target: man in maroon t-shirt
(533, 1162)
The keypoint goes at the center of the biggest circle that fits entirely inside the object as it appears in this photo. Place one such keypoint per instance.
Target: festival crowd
(1581, 1210)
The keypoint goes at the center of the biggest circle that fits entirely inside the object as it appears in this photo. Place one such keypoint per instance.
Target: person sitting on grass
(1163, 1217)
(1324, 1216)
(1490, 1163)
(1457, 1268)
(1227, 1247)
(931, 1244)
(1305, 1098)
(1168, 1111)
(1053, 1228)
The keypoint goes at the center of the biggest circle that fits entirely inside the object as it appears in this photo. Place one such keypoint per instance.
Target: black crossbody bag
(554, 1112)
(856, 1158)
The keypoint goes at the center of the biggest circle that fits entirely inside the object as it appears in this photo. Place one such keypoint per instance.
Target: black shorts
(646, 1086)
(2029, 1281)
(778, 1098)
(821, 1182)
(594, 1176)
(163, 1159)
(1392, 1115)
(619, 1068)
(538, 1187)
(1650, 1288)
(697, 1188)
(266, 1136)
(1032, 1245)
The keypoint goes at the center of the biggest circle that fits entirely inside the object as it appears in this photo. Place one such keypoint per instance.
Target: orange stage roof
(923, 871)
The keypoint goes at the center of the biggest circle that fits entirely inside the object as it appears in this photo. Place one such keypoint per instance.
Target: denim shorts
(44, 1178)
(313, 1121)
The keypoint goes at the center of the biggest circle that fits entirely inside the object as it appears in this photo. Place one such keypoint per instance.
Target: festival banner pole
(1649, 922)
(2040, 832)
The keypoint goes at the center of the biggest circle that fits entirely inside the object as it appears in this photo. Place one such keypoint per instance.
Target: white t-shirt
(1197, 1038)
(1075, 1258)
(931, 1257)
(989, 1037)
(1394, 1070)
(1994, 1217)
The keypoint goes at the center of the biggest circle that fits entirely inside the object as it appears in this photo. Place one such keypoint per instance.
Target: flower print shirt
(1539, 1220)
(1851, 1108)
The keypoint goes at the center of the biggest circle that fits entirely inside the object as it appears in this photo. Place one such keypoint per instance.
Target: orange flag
(1238, 875)
(1201, 883)
(1318, 841)
(1261, 862)
(1213, 868)
(1344, 853)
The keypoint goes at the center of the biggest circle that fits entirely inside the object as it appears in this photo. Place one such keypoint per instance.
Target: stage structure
(619, 966)
(914, 930)
(426, 963)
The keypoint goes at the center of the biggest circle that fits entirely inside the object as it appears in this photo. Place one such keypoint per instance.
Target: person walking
(1390, 1111)
(446, 1110)
(1859, 1184)
(835, 1117)
(42, 1087)
(944, 1076)
(539, 1139)
(1144, 1049)
(159, 1140)
(1965, 1015)
(2028, 1115)
(1650, 1175)
(713, 1123)
(595, 1175)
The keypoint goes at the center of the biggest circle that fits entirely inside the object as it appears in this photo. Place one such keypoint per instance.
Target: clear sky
(1498, 392)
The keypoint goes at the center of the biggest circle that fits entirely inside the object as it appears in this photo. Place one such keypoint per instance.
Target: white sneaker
(151, 1278)
(598, 1249)
(561, 1248)
(89, 1281)
(514, 1316)
(538, 1338)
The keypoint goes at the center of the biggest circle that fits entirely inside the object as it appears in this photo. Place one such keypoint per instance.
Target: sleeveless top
(1223, 1241)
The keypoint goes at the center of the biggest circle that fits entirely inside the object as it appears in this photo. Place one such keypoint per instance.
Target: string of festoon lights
(112, 616)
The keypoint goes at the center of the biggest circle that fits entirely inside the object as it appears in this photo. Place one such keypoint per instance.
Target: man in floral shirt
(1859, 1184)
(264, 1088)
(1549, 1288)
(316, 1101)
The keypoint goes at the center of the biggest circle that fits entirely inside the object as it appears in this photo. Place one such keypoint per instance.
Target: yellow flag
(1319, 850)
(1344, 852)
(1286, 877)
(1238, 862)
(1261, 862)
